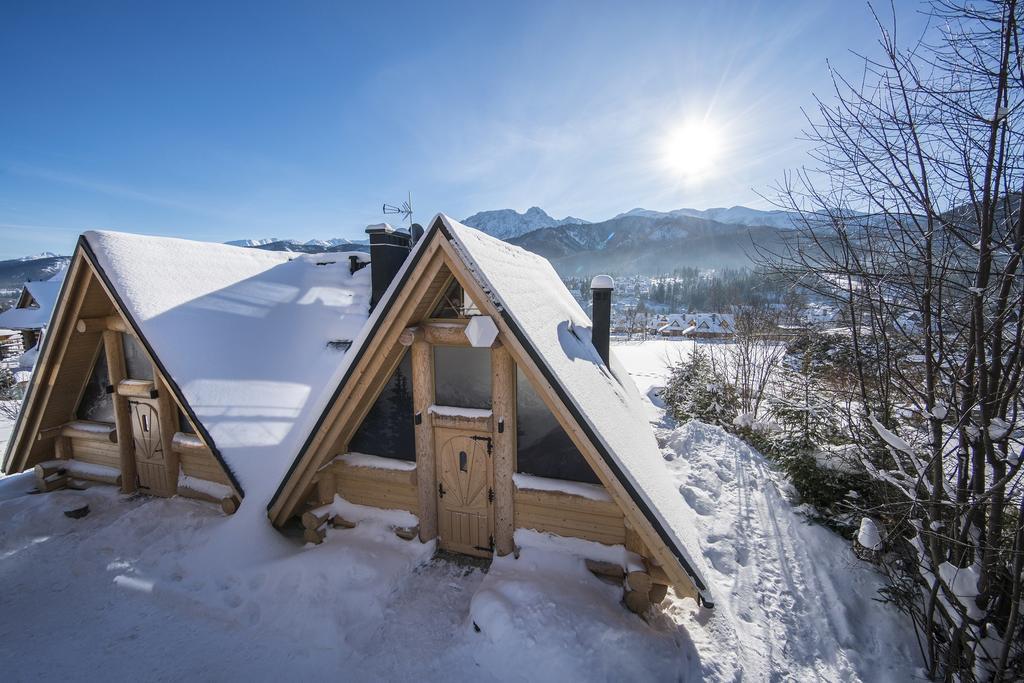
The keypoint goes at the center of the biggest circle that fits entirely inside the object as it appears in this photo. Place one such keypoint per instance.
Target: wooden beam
(410, 335)
(90, 431)
(426, 472)
(326, 486)
(503, 405)
(109, 323)
(62, 448)
(445, 334)
(114, 347)
(168, 416)
(182, 441)
(138, 388)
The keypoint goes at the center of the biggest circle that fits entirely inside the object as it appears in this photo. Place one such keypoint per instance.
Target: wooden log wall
(568, 515)
(371, 486)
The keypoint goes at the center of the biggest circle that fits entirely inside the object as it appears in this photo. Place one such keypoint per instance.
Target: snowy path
(794, 603)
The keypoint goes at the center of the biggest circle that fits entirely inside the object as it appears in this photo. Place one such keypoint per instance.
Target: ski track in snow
(132, 592)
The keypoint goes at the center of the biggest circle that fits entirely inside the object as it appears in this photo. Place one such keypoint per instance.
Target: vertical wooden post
(326, 487)
(62, 447)
(426, 470)
(168, 426)
(503, 404)
(114, 347)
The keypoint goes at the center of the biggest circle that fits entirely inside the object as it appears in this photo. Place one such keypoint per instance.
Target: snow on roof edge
(355, 352)
(665, 529)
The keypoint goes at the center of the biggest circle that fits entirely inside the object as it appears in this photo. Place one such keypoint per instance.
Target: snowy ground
(149, 588)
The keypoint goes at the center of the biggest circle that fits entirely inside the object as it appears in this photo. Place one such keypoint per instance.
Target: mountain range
(15, 272)
(642, 240)
(506, 224)
(638, 241)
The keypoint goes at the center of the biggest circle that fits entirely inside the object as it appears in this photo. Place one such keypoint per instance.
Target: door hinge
(490, 495)
(440, 490)
(484, 438)
(488, 548)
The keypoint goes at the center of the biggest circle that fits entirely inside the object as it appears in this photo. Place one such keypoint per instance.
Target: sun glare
(693, 148)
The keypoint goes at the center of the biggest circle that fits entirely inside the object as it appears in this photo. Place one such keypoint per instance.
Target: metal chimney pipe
(601, 288)
(388, 251)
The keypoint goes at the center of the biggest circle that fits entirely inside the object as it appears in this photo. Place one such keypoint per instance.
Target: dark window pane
(184, 426)
(96, 403)
(462, 376)
(387, 430)
(544, 449)
(136, 361)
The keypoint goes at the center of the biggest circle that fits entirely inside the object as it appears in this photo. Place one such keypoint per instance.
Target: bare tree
(754, 356)
(911, 222)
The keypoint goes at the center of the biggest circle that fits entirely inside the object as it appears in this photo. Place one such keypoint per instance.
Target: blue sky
(219, 121)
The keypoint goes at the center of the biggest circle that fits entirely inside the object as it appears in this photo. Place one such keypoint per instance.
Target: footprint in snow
(698, 500)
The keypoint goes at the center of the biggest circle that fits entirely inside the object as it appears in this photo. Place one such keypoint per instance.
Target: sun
(693, 148)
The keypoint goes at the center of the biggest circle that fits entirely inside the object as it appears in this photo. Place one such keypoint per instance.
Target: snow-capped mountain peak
(36, 257)
(509, 223)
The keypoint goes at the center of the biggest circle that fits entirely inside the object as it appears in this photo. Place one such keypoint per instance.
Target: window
(455, 303)
(543, 447)
(136, 361)
(96, 403)
(462, 376)
(387, 430)
(184, 426)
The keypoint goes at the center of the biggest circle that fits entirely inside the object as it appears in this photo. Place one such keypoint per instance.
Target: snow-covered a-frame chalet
(453, 384)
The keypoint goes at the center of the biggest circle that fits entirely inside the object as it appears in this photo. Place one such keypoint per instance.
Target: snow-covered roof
(244, 334)
(25, 318)
(712, 323)
(44, 294)
(556, 330)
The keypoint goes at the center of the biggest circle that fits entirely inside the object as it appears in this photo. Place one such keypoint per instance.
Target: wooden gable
(88, 321)
(415, 292)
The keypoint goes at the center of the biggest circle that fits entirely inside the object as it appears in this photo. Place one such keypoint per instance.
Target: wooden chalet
(477, 372)
(454, 379)
(184, 368)
(31, 312)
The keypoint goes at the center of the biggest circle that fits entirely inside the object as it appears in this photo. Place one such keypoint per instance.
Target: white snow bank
(579, 547)
(532, 482)
(794, 602)
(868, 535)
(376, 462)
(204, 486)
(455, 411)
(544, 617)
(963, 582)
(359, 514)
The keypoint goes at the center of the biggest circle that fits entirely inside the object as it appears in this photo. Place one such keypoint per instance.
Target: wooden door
(150, 459)
(464, 491)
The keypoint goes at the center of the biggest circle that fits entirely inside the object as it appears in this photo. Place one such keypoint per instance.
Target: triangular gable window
(96, 403)
(387, 430)
(455, 303)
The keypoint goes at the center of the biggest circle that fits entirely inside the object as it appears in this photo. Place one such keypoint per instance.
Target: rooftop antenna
(405, 209)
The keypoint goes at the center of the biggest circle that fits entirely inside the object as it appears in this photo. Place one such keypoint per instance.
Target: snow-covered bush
(697, 389)
(10, 397)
